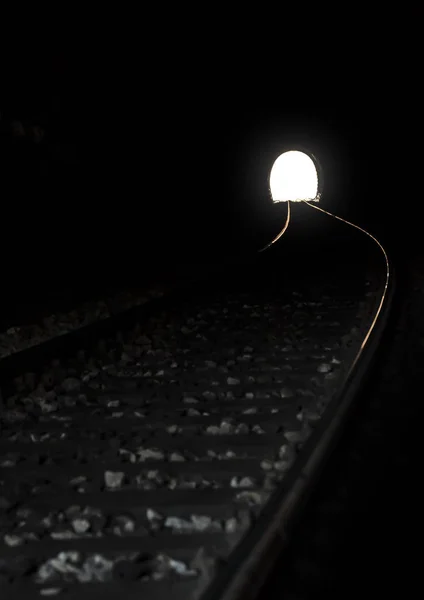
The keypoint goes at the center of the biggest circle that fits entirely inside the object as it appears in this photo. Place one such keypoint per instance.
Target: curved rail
(282, 232)
(275, 532)
(374, 239)
(383, 296)
(276, 528)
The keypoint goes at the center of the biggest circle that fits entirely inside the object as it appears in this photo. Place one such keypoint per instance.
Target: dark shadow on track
(356, 530)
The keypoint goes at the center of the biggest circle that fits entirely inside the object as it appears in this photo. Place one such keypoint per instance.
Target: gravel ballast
(18, 338)
(174, 434)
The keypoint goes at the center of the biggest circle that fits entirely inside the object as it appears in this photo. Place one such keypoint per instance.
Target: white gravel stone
(231, 525)
(153, 516)
(282, 465)
(123, 524)
(266, 464)
(193, 412)
(286, 393)
(176, 457)
(114, 479)
(251, 498)
(297, 436)
(190, 400)
(12, 540)
(173, 429)
(195, 523)
(149, 453)
(324, 368)
(81, 525)
(166, 564)
(242, 482)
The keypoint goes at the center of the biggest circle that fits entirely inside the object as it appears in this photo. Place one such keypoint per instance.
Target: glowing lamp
(294, 177)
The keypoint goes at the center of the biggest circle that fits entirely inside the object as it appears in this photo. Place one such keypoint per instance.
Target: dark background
(160, 135)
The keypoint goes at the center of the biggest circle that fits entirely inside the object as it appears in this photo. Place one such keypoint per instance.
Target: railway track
(343, 538)
(170, 448)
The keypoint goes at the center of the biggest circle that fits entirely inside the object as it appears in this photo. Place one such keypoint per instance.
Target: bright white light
(294, 177)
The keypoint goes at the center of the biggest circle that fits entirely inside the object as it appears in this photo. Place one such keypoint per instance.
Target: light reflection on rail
(386, 285)
(282, 232)
(388, 274)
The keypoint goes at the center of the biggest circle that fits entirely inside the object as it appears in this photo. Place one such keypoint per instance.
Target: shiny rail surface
(157, 452)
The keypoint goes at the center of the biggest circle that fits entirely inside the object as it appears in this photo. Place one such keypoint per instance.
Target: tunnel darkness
(124, 177)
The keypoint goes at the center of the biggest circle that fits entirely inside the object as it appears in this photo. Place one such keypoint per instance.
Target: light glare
(294, 177)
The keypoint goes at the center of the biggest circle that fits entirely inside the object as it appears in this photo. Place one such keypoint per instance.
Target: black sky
(176, 131)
